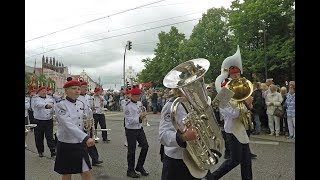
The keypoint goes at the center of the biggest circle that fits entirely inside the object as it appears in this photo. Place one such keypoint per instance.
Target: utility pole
(265, 53)
(129, 46)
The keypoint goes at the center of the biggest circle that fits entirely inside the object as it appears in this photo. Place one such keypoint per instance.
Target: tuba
(242, 89)
(203, 153)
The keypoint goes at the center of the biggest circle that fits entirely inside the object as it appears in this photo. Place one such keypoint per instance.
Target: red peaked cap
(49, 89)
(41, 88)
(71, 83)
(96, 89)
(83, 83)
(135, 91)
(233, 71)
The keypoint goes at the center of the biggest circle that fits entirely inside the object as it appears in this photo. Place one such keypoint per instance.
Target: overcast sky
(64, 28)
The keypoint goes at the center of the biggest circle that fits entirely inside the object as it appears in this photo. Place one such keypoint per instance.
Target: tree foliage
(217, 35)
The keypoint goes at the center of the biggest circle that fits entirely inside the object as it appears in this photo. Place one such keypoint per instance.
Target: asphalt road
(275, 161)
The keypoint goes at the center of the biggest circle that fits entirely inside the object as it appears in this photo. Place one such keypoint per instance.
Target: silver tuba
(203, 153)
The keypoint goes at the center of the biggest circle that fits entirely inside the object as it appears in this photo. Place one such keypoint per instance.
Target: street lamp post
(265, 52)
(128, 45)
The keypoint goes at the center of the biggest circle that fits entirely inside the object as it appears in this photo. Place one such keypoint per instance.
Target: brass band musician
(72, 154)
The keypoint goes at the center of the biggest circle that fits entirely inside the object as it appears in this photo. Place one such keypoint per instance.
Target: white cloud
(104, 58)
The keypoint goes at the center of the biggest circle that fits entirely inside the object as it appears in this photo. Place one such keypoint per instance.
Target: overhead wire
(90, 21)
(119, 29)
(114, 36)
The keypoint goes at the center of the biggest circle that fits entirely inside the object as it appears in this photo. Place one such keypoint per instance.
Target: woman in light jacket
(273, 100)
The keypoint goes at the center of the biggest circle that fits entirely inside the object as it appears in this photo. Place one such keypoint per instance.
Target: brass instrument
(203, 153)
(144, 120)
(242, 89)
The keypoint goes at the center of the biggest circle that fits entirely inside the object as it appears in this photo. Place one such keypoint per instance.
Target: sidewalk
(266, 136)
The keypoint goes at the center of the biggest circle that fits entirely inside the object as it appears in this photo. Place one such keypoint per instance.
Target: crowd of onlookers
(266, 97)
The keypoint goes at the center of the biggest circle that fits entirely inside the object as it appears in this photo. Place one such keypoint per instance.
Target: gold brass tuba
(203, 153)
(242, 89)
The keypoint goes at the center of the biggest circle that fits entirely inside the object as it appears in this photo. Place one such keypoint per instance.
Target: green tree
(166, 57)
(276, 19)
(210, 39)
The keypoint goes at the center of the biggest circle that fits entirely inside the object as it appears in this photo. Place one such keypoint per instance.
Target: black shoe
(40, 154)
(94, 163)
(133, 174)
(106, 140)
(253, 156)
(142, 171)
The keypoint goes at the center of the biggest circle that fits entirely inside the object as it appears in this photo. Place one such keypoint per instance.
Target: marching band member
(97, 104)
(26, 115)
(134, 132)
(173, 142)
(43, 114)
(93, 152)
(123, 103)
(238, 140)
(33, 96)
(72, 154)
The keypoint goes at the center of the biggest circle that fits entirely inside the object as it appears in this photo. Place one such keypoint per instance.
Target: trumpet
(144, 120)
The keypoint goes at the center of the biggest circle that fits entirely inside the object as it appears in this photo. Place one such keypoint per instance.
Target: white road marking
(265, 142)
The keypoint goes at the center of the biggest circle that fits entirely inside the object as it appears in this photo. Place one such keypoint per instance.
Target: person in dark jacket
(258, 107)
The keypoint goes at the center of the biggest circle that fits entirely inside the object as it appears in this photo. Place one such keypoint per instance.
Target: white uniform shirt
(167, 132)
(39, 110)
(70, 117)
(26, 106)
(232, 123)
(95, 104)
(131, 114)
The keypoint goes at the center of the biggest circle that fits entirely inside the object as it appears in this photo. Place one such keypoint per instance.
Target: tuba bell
(234, 60)
(203, 153)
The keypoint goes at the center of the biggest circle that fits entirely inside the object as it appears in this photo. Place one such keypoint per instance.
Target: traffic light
(129, 45)
(128, 85)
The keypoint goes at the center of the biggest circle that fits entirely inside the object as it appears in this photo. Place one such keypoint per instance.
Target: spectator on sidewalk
(290, 106)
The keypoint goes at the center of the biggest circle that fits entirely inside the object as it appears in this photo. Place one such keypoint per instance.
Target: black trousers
(101, 119)
(31, 117)
(44, 128)
(226, 144)
(134, 135)
(174, 169)
(240, 154)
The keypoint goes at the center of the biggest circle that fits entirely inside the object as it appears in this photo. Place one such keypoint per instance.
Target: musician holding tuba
(174, 142)
(236, 120)
(93, 151)
(72, 153)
